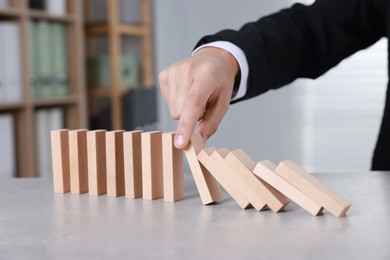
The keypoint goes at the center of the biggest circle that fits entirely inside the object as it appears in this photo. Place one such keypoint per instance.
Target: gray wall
(264, 126)
(329, 124)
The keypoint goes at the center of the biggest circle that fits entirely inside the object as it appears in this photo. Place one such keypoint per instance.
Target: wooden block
(214, 162)
(133, 164)
(115, 164)
(152, 167)
(60, 159)
(173, 169)
(97, 173)
(207, 186)
(260, 192)
(312, 187)
(78, 161)
(266, 171)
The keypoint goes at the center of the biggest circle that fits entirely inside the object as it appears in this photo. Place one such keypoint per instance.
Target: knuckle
(174, 113)
(194, 100)
(162, 76)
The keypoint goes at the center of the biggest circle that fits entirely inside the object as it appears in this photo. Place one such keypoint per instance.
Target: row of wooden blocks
(133, 163)
(258, 185)
(146, 164)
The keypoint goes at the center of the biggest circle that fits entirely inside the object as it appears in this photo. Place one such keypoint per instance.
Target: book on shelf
(10, 62)
(7, 148)
(99, 73)
(37, 4)
(48, 59)
(140, 109)
(55, 7)
(45, 121)
(129, 11)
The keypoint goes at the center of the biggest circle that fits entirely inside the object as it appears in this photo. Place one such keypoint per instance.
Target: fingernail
(179, 140)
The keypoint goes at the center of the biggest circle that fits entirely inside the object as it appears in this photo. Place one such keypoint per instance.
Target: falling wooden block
(97, 174)
(78, 161)
(133, 164)
(60, 159)
(214, 162)
(259, 191)
(207, 186)
(173, 169)
(152, 173)
(115, 164)
(312, 187)
(266, 171)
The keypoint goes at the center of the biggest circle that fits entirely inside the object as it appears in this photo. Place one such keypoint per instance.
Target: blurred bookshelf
(41, 80)
(118, 37)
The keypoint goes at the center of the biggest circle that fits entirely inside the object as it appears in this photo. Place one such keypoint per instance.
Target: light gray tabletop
(37, 224)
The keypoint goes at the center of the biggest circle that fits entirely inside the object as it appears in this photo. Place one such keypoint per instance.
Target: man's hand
(199, 87)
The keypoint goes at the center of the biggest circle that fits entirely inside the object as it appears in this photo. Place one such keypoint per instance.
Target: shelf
(106, 92)
(56, 101)
(127, 30)
(9, 107)
(36, 14)
(10, 12)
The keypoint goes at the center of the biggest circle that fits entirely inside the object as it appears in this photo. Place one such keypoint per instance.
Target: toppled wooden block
(266, 171)
(261, 193)
(207, 186)
(312, 187)
(214, 162)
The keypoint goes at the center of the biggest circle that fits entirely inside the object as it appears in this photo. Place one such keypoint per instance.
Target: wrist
(228, 59)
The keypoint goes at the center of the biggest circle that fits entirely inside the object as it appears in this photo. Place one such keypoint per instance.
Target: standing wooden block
(312, 187)
(173, 169)
(60, 159)
(78, 161)
(152, 167)
(214, 162)
(97, 174)
(115, 164)
(208, 187)
(133, 164)
(266, 171)
(259, 191)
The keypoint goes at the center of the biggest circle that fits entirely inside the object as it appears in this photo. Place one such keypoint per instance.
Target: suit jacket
(305, 42)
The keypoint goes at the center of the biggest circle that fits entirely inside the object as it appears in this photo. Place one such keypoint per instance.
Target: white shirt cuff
(239, 55)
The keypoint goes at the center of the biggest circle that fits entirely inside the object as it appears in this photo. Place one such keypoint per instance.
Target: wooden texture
(78, 161)
(214, 162)
(115, 163)
(115, 31)
(173, 169)
(207, 186)
(312, 187)
(152, 173)
(259, 191)
(60, 159)
(266, 171)
(24, 111)
(97, 173)
(133, 164)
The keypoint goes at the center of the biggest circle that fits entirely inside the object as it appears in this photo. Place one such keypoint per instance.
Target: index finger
(193, 107)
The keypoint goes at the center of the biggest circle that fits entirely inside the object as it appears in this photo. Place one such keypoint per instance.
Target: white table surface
(37, 224)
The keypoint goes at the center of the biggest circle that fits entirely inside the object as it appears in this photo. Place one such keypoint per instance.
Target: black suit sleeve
(304, 41)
